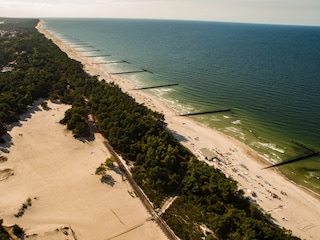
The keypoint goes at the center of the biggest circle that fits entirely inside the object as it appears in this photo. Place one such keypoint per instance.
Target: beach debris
(284, 193)
(252, 193)
(244, 166)
(275, 196)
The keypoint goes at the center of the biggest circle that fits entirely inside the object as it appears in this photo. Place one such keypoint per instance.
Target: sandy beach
(291, 206)
(55, 173)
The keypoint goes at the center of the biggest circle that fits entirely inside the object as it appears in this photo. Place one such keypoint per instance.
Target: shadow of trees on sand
(108, 179)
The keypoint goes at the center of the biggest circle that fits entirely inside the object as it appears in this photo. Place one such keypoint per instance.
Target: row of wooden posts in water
(312, 153)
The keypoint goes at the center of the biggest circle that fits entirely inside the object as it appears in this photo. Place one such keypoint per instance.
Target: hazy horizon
(294, 12)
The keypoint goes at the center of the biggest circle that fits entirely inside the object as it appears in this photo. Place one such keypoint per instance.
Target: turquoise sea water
(269, 75)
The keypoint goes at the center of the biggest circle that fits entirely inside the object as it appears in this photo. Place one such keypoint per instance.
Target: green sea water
(268, 75)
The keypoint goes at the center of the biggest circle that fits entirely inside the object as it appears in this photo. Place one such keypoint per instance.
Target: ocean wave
(236, 131)
(271, 146)
(175, 105)
(270, 159)
(232, 129)
(237, 122)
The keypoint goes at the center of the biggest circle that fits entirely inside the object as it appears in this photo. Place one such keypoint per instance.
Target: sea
(267, 75)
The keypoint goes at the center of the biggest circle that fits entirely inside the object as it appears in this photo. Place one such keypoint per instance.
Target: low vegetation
(102, 171)
(3, 159)
(44, 104)
(108, 164)
(162, 166)
(23, 208)
(4, 234)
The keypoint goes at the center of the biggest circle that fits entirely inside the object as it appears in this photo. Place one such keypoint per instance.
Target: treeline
(138, 134)
(162, 166)
(38, 70)
(213, 201)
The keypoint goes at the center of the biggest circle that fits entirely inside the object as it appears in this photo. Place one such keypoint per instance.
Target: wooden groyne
(123, 61)
(206, 112)
(93, 50)
(138, 71)
(304, 146)
(102, 55)
(82, 45)
(310, 155)
(75, 45)
(145, 70)
(158, 86)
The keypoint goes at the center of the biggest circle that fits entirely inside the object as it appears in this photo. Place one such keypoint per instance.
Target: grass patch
(23, 208)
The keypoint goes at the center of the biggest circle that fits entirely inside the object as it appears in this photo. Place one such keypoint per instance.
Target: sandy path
(57, 172)
(291, 206)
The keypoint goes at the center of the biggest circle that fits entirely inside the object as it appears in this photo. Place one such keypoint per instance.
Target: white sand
(297, 209)
(57, 172)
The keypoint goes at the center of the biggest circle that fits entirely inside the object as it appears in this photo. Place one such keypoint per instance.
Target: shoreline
(235, 158)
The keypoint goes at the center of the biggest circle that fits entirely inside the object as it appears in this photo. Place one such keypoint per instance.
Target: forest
(207, 199)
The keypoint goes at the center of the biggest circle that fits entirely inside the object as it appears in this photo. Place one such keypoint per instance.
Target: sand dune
(57, 174)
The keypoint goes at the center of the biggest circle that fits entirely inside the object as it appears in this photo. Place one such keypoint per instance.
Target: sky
(293, 12)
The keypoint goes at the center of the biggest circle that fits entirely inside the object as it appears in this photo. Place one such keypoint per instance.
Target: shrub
(44, 104)
(17, 230)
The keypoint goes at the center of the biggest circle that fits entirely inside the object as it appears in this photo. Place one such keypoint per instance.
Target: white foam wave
(237, 122)
(233, 129)
(271, 146)
(161, 91)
